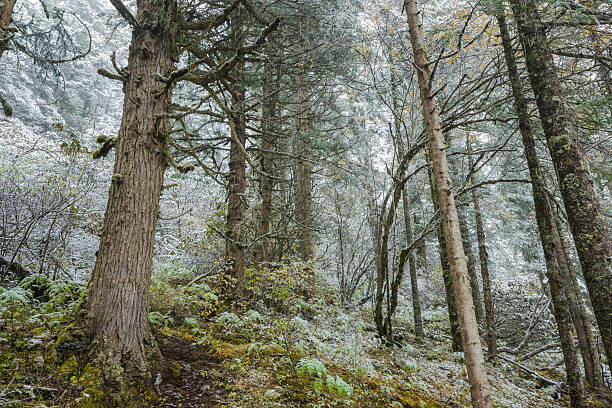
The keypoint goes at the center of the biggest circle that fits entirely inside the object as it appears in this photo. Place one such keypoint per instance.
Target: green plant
(160, 320)
(338, 386)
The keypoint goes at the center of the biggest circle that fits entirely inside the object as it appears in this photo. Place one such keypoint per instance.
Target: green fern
(312, 366)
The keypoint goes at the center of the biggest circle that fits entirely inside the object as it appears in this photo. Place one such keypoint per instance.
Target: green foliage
(253, 316)
(170, 295)
(338, 386)
(278, 285)
(160, 320)
(14, 301)
(312, 366)
(228, 319)
(317, 371)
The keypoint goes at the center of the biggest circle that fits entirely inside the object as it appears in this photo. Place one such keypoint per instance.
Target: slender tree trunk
(474, 358)
(6, 15)
(412, 264)
(484, 264)
(471, 264)
(115, 309)
(589, 228)
(303, 194)
(236, 206)
(423, 257)
(401, 142)
(546, 224)
(453, 319)
(266, 182)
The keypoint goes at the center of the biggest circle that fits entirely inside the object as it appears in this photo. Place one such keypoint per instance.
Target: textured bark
(6, 15)
(471, 264)
(303, 194)
(547, 227)
(588, 227)
(115, 304)
(484, 264)
(266, 182)
(236, 205)
(584, 328)
(474, 358)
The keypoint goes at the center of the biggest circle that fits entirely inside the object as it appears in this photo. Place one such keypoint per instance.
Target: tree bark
(484, 263)
(115, 306)
(477, 374)
(588, 227)
(412, 265)
(453, 320)
(266, 182)
(471, 264)
(584, 329)
(546, 224)
(304, 176)
(6, 15)
(236, 205)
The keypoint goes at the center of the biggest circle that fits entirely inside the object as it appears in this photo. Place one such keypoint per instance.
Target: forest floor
(312, 355)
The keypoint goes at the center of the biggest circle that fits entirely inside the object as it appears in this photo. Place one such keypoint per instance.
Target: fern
(339, 386)
(312, 366)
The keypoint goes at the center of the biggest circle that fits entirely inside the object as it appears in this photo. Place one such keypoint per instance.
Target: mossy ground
(212, 357)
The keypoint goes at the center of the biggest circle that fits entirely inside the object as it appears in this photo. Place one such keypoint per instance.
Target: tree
(588, 226)
(480, 389)
(484, 261)
(6, 14)
(547, 226)
(114, 311)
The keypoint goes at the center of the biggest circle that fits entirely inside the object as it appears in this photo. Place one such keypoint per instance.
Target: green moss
(69, 368)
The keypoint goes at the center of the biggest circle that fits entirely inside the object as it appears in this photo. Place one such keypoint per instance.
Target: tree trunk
(303, 196)
(236, 206)
(453, 320)
(266, 182)
(422, 251)
(401, 141)
(115, 308)
(546, 224)
(584, 329)
(484, 263)
(6, 15)
(589, 228)
(412, 264)
(471, 264)
(477, 374)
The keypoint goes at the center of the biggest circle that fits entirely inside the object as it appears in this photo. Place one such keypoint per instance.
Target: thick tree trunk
(115, 309)
(589, 228)
(546, 224)
(6, 15)
(236, 205)
(266, 182)
(584, 328)
(471, 264)
(484, 264)
(474, 358)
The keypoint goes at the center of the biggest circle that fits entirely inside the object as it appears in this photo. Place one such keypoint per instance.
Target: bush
(279, 284)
